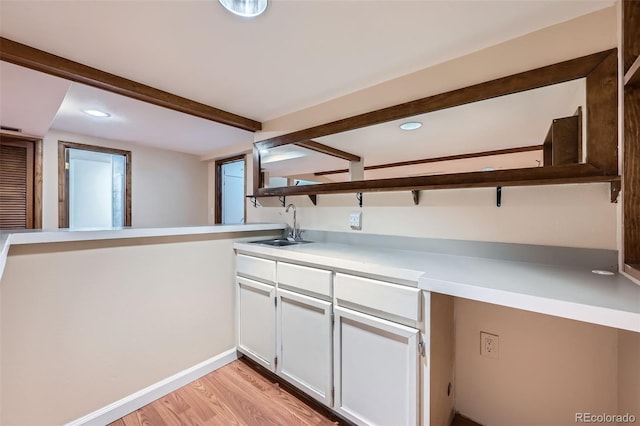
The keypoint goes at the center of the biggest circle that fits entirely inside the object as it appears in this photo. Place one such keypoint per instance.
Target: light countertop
(563, 291)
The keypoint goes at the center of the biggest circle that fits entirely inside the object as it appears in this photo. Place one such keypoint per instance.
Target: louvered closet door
(16, 184)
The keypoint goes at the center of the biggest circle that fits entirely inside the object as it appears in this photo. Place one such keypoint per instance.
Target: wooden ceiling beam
(325, 149)
(539, 77)
(440, 159)
(39, 60)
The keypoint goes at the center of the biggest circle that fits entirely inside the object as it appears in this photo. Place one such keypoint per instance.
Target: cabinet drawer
(381, 296)
(317, 281)
(255, 267)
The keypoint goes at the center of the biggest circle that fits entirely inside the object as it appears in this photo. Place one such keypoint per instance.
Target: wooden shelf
(554, 175)
(632, 77)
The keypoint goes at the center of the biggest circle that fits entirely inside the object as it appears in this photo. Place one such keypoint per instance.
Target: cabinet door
(376, 370)
(304, 344)
(257, 321)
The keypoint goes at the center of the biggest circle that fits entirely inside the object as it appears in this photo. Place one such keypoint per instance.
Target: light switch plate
(355, 220)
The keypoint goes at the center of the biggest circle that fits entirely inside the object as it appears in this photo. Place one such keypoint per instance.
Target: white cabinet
(257, 321)
(376, 370)
(350, 342)
(304, 343)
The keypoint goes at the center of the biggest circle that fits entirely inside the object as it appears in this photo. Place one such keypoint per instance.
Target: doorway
(95, 186)
(230, 190)
(20, 181)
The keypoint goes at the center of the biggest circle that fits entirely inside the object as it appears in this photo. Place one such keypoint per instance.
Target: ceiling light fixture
(96, 113)
(245, 8)
(411, 125)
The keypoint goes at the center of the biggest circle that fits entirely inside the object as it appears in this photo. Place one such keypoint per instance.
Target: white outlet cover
(355, 220)
(489, 345)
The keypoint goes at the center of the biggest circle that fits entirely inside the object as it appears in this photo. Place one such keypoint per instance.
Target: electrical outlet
(489, 345)
(355, 220)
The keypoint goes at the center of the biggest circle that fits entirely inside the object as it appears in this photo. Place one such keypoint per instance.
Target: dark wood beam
(540, 77)
(602, 115)
(440, 159)
(39, 60)
(325, 149)
(575, 173)
(632, 77)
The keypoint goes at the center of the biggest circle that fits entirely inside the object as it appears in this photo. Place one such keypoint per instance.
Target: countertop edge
(9, 238)
(559, 308)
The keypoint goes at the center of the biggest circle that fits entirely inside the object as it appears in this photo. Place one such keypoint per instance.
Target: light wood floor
(232, 395)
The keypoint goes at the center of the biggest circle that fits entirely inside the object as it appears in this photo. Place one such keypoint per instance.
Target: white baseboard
(131, 403)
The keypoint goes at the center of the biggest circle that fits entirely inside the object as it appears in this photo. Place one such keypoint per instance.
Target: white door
(96, 188)
(375, 370)
(257, 321)
(304, 343)
(233, 192)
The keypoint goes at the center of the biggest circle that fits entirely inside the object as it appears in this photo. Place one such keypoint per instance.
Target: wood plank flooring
(232, 395)
(235, 394)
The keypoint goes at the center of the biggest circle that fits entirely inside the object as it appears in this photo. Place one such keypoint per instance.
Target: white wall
(85, 324)
(582, 372)
(168, 188)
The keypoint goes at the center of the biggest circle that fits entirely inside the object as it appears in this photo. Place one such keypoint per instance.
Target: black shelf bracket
(359, 198)
(416, 196)
(499, 196)
(314, 199)
(283, 200)
(616, 186)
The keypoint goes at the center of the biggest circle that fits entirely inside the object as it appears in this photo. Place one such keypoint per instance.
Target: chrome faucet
(293, 234)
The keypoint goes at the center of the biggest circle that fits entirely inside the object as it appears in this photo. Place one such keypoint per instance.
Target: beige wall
(528, 385)
(86, 324)
(629, 373)
(569, 215)
(168, 188)
(548, 370)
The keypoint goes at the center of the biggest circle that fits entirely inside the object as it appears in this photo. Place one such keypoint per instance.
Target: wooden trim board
(131, 403)
(63, 180)
(439, 159)
(532, 79)
(575, 173)
(218, 184)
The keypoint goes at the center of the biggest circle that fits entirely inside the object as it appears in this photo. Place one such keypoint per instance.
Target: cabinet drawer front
(312, 280)
(382, 296)
(255, 267)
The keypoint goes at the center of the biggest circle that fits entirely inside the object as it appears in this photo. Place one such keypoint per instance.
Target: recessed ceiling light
(96, 113)
(245, 8)
(488, 169)
(411, 125)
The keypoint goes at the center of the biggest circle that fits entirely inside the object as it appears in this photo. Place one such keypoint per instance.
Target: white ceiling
(141, 122)
(28, 99)
(300, 53)
(36, 102)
